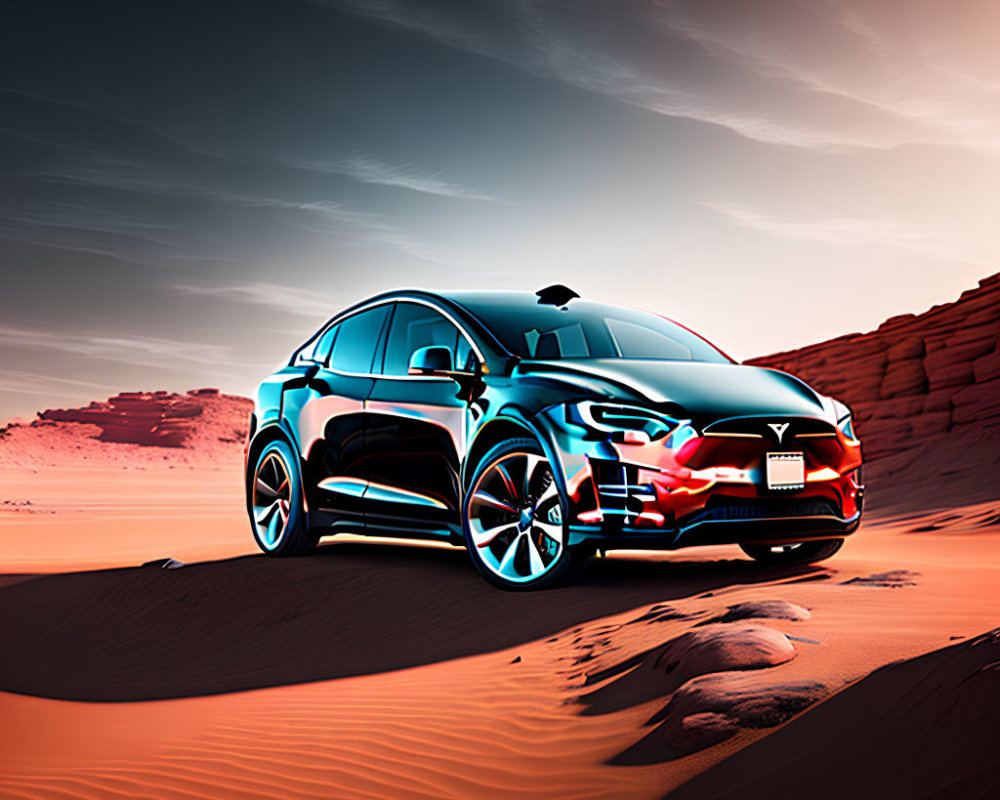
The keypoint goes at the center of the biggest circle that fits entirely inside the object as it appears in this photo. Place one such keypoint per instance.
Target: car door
(416, 429)
(328, 414)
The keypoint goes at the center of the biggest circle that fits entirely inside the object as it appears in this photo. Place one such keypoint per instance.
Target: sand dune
(925, 728)
(518, 721)
(353, 609)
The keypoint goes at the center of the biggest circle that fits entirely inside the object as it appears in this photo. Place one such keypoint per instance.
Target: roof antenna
(555, 295)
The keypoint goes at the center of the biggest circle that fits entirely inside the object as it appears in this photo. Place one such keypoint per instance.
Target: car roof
(458, 296)
(467, 304)
(469, 301)
(451, 301)
(462, 300)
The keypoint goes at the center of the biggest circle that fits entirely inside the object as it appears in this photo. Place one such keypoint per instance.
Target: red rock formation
(133, 429)
(925, 390)
(147, 418)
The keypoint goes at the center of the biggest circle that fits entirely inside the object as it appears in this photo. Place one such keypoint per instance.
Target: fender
(267, 431)
(516, 415)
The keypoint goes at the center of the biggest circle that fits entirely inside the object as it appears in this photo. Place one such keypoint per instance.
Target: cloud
(89, 220)
(127, 233)
(827, 75)
(288, 299)
(927, 241)
(885, 67)
(367, 169)
(32, 383)
(93, 151)
(556, 42)
(128, 349)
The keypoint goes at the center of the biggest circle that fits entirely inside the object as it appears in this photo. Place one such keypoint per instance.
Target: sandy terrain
(389, 670)
(385, 669)
(934, 736)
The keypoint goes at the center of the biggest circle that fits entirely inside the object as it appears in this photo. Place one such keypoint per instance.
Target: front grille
(743, 442)
(758, 427)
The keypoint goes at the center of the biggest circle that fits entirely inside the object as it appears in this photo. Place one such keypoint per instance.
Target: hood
(704, 391)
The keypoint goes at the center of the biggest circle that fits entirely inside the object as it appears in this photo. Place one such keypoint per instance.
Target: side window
(415, 326)
(322, 351)
(318, 349)
(356, 341)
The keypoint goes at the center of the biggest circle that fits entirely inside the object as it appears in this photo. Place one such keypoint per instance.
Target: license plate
(786, 471)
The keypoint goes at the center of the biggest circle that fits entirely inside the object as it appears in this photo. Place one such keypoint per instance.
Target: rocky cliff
(925, 390)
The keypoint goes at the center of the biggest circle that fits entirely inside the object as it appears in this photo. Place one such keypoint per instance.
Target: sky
(189, 189)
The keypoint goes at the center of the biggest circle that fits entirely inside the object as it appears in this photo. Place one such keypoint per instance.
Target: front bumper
(695, 490)
(729, 520)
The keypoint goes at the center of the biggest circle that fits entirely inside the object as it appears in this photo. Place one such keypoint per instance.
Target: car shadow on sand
(350, 609)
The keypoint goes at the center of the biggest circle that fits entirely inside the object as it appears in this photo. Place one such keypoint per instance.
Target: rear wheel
(798, 553)
(277, 516)
(514, 519)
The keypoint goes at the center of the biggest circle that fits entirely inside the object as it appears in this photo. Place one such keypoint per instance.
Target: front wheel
(514, 519)
(798, 553)
(274, 500)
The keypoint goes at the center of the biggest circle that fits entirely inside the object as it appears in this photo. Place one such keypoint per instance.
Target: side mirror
(434, 360)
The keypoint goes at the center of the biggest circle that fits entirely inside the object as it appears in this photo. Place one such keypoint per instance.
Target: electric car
(536, 429)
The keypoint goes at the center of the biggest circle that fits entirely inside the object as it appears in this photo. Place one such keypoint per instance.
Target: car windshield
(587, 330)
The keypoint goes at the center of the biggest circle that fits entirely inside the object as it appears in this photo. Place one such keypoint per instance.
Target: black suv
(535, 429)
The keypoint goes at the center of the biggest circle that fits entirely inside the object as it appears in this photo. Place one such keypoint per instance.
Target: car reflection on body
(537, 429)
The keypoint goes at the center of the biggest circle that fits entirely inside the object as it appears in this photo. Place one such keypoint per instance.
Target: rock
(147, 418)
(899, 407)
(711, 708)
(904, 377)
(663, 669)
(910, 347)
(165, 563)
(930, 424)
(986, 367)
(715, 650)
(133, 428)
(976, 403)
(938, 400)
(944, 369)
(895, 579)
(761, 609)
(896, 321)
(973, 341)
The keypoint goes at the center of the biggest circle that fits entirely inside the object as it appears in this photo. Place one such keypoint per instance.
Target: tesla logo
(779, 429)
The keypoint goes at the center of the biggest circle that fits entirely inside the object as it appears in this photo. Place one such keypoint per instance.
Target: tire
(514, 520)
(274, 503)
(800, 553)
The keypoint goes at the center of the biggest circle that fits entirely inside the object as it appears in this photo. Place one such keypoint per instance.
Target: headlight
(619, 421)
(845, 420)
(847, 426)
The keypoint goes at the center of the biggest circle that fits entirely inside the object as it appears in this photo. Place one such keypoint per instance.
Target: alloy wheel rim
(272, 494)
(515, 518)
